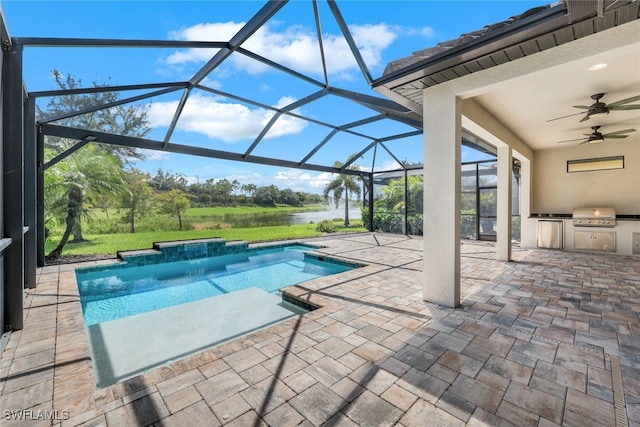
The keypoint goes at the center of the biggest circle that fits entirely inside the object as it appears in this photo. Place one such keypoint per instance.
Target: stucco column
(442, 151)
(527, 226)
(505, 175)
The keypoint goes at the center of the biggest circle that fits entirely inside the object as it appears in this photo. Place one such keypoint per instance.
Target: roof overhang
(548, 28)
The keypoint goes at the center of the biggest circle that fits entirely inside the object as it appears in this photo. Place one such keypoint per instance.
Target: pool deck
(551, 338)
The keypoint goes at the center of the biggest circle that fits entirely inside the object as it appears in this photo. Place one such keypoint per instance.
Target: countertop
(619, 217)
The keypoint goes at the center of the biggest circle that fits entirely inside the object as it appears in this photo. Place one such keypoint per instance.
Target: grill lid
(594, 217)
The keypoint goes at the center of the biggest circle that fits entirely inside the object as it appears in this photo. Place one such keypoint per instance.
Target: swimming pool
(108, 293)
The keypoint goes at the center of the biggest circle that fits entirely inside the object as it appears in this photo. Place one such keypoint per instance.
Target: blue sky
(384, 30)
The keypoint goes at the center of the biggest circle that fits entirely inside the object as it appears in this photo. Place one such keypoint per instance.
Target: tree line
(222, 192)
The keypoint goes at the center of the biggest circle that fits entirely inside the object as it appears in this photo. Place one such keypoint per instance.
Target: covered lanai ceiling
(372, 129)
(536, 104)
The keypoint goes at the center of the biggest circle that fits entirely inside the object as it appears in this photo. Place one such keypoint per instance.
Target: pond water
(317, 216)
(282, 218)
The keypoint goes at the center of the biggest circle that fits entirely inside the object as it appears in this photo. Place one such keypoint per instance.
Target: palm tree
(249, 189)
(84, 174)
(137, 199)
(235, 185)
(129, 120)
(342, 184)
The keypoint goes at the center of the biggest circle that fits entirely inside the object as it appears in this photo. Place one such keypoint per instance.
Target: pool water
(107, 294)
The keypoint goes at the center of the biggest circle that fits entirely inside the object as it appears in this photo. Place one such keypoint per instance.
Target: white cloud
(230, 122)
(154, 155)
(295, 47)
(219, 31)
(149, 155)
(388, 165)
(250, 178)
(299, 180)
(372, 40)
(427, 32)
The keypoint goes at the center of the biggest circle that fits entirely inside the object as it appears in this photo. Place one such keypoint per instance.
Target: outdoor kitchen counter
(627, 231)
(619, 217)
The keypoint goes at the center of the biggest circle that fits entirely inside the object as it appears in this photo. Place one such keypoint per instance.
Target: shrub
(515, 227)
(415, 225)
(147, 223)
(468, 225)
(326, 226)
(266, 196)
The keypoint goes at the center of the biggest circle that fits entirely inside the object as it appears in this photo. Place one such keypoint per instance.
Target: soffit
(526, 104)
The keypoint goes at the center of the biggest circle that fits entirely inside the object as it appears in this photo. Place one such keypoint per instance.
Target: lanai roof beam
(350, 41)
(99, 89)
(82, 42)
(316, 16)
(109, 105)
(254, 24)
(129, 141)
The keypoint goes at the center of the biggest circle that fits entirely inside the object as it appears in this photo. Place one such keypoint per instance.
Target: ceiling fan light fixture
(596, 140)
(597, 67)
(598, 114)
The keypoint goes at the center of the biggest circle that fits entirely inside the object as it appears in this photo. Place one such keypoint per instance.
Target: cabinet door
(550, 234)
(583, 240)
(604, 241)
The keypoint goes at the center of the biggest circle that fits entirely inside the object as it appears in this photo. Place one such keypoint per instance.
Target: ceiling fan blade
(573, 140)
(619, 132)
(584, 119)
(582, 107)
(624, 101)
(563, 117)
(584, 142)
(614, 136)
(625, 107)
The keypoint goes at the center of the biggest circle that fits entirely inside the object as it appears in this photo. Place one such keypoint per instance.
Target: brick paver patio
(552, 338)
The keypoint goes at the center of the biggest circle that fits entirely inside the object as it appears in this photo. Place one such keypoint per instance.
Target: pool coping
(121, 260)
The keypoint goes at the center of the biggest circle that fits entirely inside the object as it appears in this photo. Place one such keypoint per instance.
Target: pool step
(161, 336)
(181, 250)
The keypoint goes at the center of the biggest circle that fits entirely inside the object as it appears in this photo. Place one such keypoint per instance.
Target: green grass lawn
(201, 218)
(243, 210)
(109, 244)
(99, 214)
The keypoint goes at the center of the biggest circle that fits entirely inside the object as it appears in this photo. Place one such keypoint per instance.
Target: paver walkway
(552, 338)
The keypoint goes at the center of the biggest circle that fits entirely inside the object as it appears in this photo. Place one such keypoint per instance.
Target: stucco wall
(556, 191)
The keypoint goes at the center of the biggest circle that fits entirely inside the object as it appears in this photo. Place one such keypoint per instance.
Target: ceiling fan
(599, 108)
(596, 137)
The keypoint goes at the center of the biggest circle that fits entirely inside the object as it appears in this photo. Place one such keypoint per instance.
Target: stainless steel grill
(594, 217)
